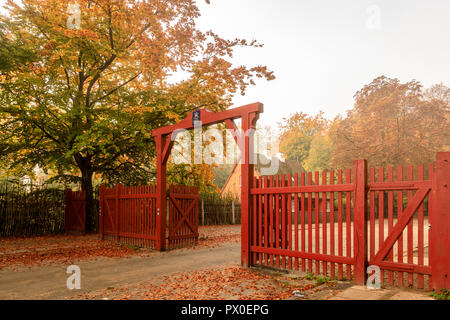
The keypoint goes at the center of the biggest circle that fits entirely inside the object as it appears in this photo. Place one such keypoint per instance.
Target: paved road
(50, 282)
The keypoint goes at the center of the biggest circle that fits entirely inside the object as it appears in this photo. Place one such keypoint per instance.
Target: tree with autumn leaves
(391, 123)
(83, 101)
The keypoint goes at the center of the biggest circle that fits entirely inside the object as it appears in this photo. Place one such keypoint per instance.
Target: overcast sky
(323, 51)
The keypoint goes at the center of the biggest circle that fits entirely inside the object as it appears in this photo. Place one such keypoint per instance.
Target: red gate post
(161, 169)
(359, 221)
(440, 223)
(101, 211)
(247, 174)
(67, 216)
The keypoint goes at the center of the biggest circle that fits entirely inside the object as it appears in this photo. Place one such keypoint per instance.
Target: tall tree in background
(392, 123)
(84, 99)
(298, 132)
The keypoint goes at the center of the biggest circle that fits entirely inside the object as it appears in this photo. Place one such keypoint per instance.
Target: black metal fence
(214, 210)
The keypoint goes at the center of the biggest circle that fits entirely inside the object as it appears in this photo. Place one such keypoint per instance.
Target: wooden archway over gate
(165, 137)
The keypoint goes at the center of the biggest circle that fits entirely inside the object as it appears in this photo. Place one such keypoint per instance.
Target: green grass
(443, 295)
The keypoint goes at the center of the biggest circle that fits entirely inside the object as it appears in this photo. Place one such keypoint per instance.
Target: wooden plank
(300, 189)
(277, 220)
(271, 214)
(296, 211)
(332, 233)
(399, 215)
(390, 221)
(260, 219)
(317, 222)
(372, 216)
(348, 222)
(306, 255)
(340, 227)
(266, 218)
(410, 177)
(324, 224)
(302, 218)
(420, 231)
(289, 222)
(283, 221)
(310, 182)
(403, 267)
(381, 215)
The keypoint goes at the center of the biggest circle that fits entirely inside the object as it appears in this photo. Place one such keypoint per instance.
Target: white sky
(323, 51)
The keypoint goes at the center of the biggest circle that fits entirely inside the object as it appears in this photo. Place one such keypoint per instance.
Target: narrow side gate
(183, 216)
(75, 215)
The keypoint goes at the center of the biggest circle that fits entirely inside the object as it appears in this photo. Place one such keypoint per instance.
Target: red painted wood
(266, 219)
(359, 221)
(332, 233)
(340, 227)
(420, 232)
(271, 214)
(431, 209)
(296, 212)
(410, 228)
(310, 213)
(372, 216)
(348, 177)
(302, 218)
(399, 214)
(260, 219)
(316, 221)
(283, 221)
(324, 224)
(277, 220)
(381, 215)
(440, 223)
(255, 256)
(289, 222)
(305, 255)
(390, 220)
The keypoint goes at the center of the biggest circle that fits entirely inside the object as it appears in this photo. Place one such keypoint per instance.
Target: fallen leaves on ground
(37, 251)
(64, 249)
(228, 282)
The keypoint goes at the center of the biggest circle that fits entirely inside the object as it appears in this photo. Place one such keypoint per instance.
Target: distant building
(234, 182)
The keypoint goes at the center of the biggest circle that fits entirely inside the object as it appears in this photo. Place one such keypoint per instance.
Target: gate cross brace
(184, 214)
(401, 224)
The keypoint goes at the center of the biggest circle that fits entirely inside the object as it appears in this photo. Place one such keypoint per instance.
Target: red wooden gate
(317, 225)
(75, 215)
(183, 216)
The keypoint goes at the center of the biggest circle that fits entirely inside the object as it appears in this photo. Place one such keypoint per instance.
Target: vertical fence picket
(332, 233)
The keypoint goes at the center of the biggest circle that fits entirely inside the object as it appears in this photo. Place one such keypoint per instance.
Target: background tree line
(391, 123)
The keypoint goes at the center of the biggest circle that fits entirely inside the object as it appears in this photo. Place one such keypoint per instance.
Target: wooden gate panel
(183, 216)
(75, 215)
(400, 247)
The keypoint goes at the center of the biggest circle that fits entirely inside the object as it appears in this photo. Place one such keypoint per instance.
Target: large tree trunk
(86, 185)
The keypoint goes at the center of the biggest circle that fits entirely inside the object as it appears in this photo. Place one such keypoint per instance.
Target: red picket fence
(183, 216)
(75, 217)
(339, 222)
(128, 215)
